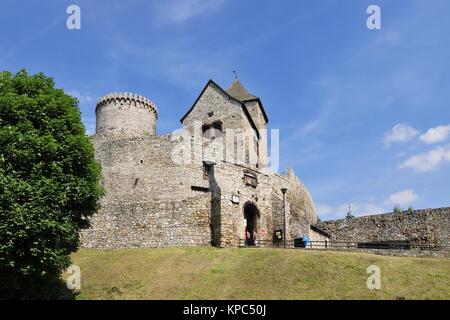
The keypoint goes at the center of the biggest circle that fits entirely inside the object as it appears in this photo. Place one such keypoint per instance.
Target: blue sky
(364, 115)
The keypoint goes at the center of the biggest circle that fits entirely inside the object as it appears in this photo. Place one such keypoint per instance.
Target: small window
(205, 172)
(212, 131)
(250, 180)
(206, 131)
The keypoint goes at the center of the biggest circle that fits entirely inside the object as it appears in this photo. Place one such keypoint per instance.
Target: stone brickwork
(268, 199)
(149, 200)
(215, 106)
(429, 226)
(125, 114)
(153, 201)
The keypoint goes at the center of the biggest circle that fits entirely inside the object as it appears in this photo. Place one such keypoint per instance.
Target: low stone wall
(408, 253)
(395, 253)
(428, 226)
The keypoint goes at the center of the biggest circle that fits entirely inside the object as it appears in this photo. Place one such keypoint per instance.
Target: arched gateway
(251, 216)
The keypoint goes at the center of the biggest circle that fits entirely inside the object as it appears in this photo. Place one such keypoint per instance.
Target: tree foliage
(49, 181)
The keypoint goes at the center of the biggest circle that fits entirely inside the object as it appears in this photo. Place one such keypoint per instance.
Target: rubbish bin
(306, 241)
(299, 243)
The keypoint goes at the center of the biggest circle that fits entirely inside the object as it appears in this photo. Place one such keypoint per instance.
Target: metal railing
(344, 245)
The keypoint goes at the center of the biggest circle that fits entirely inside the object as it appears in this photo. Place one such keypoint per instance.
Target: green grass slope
(210, 273)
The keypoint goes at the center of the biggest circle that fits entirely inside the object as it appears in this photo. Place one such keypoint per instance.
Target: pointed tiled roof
(237, 91)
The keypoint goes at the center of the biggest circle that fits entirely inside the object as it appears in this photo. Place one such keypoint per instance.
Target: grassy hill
(210, 273)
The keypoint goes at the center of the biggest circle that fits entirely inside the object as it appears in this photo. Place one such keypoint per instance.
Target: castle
(206, 184)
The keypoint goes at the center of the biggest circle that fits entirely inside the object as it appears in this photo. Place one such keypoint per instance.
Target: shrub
(397, 209)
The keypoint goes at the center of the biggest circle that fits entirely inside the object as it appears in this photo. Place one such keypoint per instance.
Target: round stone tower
(126, 114)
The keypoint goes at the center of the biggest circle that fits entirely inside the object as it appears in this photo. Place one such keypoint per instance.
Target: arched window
(212, 131)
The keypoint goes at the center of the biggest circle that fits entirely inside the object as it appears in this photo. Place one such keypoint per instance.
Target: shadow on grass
(27, 288)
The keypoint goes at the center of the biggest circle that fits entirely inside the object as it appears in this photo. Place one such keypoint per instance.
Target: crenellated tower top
(126, 114)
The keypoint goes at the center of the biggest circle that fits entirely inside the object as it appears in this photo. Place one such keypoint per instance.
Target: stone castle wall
(154, 198)
(152, 201)
(267, 197)
(420, 227)
(214, 106)
(149, 200)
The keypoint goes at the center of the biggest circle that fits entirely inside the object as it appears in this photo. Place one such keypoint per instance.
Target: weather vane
(235, 74)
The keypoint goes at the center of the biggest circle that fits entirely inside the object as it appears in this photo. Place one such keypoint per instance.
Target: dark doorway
(251, 216)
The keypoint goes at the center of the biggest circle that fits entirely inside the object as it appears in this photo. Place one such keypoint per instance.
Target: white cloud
(362, 209)
(179, 11)
(370, 209)
(327, 212)
(83, 97)
(33, 37)
(89, 124)
(437, 134)
(428, 161)
(189, 73)
(400, 133)
(87, 102)
(311, 125)
(177, 62)
(324, 210)
(402, 198)
(302, 131)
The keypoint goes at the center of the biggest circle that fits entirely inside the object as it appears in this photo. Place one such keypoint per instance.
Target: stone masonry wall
(150, 201)
(125, 114)
(214, 106)
(419, 227)
(258, 118)
(153, 202)
(268, 199)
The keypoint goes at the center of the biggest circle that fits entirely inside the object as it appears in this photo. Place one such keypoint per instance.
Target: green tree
(49, 183)
(397, 209)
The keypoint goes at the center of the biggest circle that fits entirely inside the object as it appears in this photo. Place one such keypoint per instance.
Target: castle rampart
(428, 226)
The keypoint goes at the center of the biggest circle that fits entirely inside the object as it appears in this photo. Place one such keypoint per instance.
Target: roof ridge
(239, 92)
